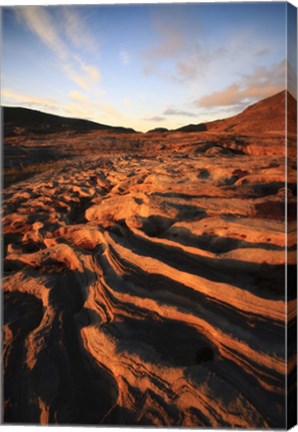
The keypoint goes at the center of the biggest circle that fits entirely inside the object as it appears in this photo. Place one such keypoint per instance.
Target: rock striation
(149, 290)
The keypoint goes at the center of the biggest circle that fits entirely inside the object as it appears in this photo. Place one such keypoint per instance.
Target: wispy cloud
(177, 112)
(124, 57)
(260, 84)
(79, 105)
(78, 96)
(96, 108)
(76, 30)
(187, 55)
(127, 102)
(262, 52)
(11, 97)
(40, 21)
(155, 119)
(86, 77)
(82, 74)
(197, 61)
(171, 43)
(189, 58)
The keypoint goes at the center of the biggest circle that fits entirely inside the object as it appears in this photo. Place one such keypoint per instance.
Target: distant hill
(158, 130)
(24, 120)
(264, 117)
(201, 127)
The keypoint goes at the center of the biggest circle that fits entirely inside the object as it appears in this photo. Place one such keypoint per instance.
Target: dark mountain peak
(263, 117)
(158, 130)
(16, 119)
(201, 127)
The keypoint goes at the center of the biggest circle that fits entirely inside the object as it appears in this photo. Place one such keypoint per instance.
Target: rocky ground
(148, 288)
(147, 292)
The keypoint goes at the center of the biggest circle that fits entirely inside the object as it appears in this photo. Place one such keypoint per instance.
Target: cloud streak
(82, 106)
(262, 52)
(176, 112)
(124, 58)
(156, 119)
(42, 24)
(76, 30)
(9, 97)
(260, 84)
(187, 55)
(172, 41)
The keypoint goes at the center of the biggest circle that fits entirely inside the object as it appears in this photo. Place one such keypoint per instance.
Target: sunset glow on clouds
(143, 66)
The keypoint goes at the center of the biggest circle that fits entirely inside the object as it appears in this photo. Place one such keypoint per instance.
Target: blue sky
(143, 66)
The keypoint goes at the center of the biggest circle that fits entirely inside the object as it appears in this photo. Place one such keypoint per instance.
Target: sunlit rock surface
(150, 289)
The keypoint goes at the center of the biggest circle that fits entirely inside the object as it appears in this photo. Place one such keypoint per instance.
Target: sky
(143, 66)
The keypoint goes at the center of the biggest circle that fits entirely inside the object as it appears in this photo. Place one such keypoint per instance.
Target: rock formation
(149, 289)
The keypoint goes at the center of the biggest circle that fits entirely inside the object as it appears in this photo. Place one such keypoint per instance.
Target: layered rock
(148, 291)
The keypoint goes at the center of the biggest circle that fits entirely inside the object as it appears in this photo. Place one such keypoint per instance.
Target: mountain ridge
(265, 116)
(34, 121)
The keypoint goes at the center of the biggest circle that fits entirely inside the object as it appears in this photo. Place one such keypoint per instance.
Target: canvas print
(149, 215)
